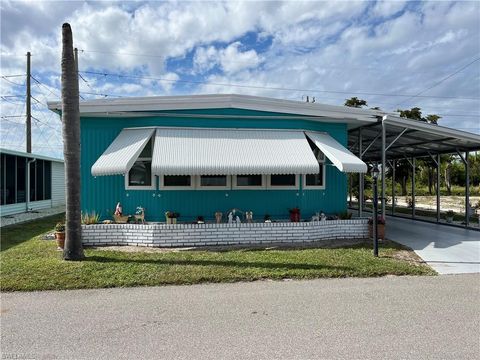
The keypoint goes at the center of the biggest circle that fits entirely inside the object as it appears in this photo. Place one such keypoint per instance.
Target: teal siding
(102, 193)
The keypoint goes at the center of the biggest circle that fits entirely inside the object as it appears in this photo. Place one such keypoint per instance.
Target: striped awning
(338, 154)
(122, 153)
(231, 152)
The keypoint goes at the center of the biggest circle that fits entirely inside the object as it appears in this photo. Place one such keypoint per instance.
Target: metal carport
(392, 138)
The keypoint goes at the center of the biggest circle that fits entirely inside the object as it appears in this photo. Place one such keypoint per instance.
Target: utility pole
(29, 108)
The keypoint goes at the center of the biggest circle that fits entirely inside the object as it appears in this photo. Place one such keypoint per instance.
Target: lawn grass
(30, 263)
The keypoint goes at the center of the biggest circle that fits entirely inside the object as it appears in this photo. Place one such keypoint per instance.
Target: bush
(60, 227)
(345, 215)
(89, 219)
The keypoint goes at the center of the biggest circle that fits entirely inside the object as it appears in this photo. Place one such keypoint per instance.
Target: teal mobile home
(204, 154)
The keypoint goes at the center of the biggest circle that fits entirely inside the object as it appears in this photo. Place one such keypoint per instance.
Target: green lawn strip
(30, 263)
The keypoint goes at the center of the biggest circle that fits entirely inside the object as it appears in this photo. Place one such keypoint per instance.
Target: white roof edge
(30, 155)
(430, 128)
(190, 102)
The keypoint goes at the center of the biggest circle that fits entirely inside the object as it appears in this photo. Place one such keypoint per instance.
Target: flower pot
(171, 220)
(295, 216)
(380, 229)
(60, 238)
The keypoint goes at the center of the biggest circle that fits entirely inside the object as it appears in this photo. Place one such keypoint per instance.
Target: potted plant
(60, 235)
(140, 215)
(449, 215)
(380, 227)
(294, 214)
(171, 217)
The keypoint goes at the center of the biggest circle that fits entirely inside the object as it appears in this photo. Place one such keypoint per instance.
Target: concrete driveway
(447, 249)
(432, 317)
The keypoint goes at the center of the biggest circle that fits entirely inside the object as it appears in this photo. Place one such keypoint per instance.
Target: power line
(441, 81)
(268, 87)
(10, 76)
(44, 86)
(12, 82)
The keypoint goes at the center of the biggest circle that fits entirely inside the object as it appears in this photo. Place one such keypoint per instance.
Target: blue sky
(378, 51)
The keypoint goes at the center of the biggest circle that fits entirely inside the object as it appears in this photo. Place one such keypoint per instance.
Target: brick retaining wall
(178, 235)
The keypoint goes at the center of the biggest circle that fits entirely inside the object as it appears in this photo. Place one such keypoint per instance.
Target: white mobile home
(30, 182)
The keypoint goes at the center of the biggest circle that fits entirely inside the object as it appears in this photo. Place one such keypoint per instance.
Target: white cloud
(385, 47)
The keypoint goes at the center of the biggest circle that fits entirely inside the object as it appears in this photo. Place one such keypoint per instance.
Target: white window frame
(282, 187)
(236, 187)
(198, 180)
(314, 187)
(168, 188)
(136, 187)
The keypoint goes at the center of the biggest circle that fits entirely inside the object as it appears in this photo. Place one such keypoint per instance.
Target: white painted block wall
(184, 235)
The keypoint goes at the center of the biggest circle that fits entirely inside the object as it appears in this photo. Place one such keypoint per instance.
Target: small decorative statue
(218, 217)
(237, 219)
(249, 216)
(322, 216)
(230, 218)
(119, 210)
(316, 217)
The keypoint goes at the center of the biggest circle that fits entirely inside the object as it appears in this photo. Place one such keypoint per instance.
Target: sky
(385, 52)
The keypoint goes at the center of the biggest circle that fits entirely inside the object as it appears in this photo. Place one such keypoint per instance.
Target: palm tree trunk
(71, 148)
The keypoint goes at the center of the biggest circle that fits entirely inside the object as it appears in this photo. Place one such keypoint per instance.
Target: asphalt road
(383, 318)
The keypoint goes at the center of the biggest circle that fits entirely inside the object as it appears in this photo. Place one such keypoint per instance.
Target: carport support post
(393, 187)
(384, 158)
(467, 190)
(361, 182)
(413, 188)
(350, 188)
(438, 188)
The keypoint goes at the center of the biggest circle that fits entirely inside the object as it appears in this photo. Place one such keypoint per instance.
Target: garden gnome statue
(322, 216)
(119, 210)
(218, 217)
(230, 218)
(237, 219)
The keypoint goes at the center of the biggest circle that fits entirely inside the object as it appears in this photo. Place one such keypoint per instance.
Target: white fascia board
(430, 128)
(217, 101)
(29, 155)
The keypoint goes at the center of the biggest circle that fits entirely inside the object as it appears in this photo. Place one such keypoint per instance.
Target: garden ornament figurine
(249, 216)
(119, 210)
(237, 219)
(230, 218)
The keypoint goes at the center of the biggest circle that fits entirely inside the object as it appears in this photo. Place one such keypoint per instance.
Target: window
(10, 178)
(2, 179)
(48, 180)
(21, 179)
(177, 181)
(249, 182)
(316, 181)
(214, 181)
(32, 181)
(288, 181)
(140, 175)
(39, 182)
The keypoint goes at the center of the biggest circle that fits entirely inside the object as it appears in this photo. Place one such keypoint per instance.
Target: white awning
(122, 152)
(340, 156)
(231, 152)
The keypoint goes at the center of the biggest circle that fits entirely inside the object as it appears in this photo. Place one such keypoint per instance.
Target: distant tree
(416, 114)
(433, 119)
(355, 102)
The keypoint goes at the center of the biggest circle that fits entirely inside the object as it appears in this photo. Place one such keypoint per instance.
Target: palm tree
(71, 148)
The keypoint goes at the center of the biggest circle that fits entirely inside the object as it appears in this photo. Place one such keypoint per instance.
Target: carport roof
(406, 138)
